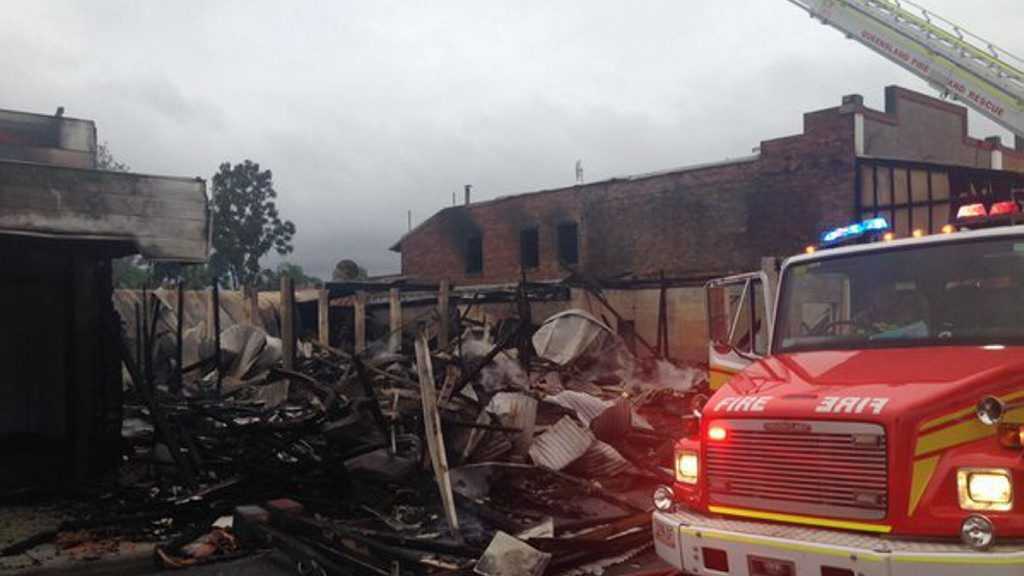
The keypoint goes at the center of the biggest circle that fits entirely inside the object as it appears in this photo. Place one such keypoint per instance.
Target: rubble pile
(457, 460)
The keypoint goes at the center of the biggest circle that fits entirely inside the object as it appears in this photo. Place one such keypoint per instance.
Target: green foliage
(271, 279)
(246, 223)
(106, 161)
(129, 272)
(349, 270)
(194, 276)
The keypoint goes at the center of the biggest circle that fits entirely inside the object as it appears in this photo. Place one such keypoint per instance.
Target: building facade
(909, 163)
(913, 163)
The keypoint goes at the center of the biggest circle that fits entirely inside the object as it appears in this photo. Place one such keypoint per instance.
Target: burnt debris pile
(515, 449)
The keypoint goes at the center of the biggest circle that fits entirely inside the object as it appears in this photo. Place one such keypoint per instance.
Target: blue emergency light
(854, 230)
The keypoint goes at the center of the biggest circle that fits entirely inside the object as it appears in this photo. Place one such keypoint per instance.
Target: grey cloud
(365, 110)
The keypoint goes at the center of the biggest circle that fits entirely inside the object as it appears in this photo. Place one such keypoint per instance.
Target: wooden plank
(179, 346)
(216, 336)
(156, 225)
(288, 321)
(77, 180)
(172, 249)
(360, 322)
(434, 436)
(153, 248)
(83, 384)
(395, 317)
(323, 309)
(444, 312)
(211, 314)
(56, 156)
(252, 308)
(160, 423)
(94, 200)
(166, 217)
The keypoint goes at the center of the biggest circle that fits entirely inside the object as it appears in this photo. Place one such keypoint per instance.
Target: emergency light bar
(971, 211)
(855, 230)
(1001, 208)
(979, 211)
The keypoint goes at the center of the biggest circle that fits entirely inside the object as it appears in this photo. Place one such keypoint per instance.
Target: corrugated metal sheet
(600, 461)
(566, 336)
(561, 445)
(614, 423)
(586, 406)
(493, 447)
(516, 410)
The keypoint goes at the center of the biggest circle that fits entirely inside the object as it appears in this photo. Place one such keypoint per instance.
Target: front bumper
(680, 536)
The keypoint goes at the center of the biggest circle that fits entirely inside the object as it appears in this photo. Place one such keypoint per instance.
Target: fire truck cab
(867, 415)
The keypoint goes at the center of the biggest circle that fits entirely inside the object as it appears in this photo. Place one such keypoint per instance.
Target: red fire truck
(877, 427)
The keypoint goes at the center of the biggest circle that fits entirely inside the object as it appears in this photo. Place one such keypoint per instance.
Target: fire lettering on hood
(743, 403)
(850, 405)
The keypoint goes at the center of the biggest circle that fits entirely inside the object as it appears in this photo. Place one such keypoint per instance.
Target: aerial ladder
(955, 62)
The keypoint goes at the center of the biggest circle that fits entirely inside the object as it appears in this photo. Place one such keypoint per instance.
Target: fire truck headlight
(664, 498)
(990, 410)
(985, 489)
(687, 466)
(977, 532)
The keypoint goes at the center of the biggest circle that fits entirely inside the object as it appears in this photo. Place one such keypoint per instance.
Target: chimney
(852, 103)
(1018, 144)
(469, 188)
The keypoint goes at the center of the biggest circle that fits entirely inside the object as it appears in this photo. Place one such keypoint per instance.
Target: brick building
(912, 163)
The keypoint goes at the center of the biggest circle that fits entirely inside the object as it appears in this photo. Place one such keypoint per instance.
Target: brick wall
(920, 128)
(723, 219)
(709, 220)
(706, 220)
(437, 248)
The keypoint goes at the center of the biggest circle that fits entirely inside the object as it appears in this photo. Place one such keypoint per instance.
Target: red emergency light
(717, 433)
(1002, 208)
(971, 211)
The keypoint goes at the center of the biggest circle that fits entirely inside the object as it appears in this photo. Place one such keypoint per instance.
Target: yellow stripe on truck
(717, 377)
(923, 470)
(806, 520)
(965, 412)
(962, 433)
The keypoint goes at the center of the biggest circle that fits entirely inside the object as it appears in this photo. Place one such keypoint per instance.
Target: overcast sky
(364, 110)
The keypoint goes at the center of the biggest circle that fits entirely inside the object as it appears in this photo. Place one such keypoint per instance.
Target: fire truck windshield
(943, 294)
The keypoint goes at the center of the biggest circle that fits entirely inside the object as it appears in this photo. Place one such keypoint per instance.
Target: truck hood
(868, 385)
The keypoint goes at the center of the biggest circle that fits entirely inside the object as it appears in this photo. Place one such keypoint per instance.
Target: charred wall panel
(60, 393)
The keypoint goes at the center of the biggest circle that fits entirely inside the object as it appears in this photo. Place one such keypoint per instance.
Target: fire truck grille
(833, 469)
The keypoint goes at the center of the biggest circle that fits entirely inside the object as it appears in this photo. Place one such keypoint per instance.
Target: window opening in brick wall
(474, 255)
(568, 243)
(910, 198)
(529, 248)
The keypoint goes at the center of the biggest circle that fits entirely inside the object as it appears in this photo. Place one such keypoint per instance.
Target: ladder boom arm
(972, 70)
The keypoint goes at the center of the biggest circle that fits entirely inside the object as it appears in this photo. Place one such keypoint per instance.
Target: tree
(192, 276)
(246, 223)
(106, 161)
(271, 279)
(349, 270)
(129, 272)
